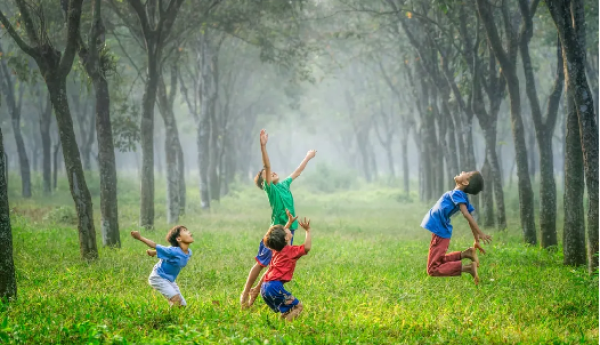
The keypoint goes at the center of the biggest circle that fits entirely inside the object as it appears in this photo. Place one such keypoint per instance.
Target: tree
(574, 223)
(54, 66)
(155, 21)
(15, 102)
(507, 61)
(8, 280)
(570, 22)
(98, 62)
(544, 127)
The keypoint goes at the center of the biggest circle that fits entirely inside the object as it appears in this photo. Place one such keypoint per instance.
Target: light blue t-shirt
(437, 220)
(172, 259)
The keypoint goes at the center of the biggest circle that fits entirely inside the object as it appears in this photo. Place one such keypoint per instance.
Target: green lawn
(364, 281)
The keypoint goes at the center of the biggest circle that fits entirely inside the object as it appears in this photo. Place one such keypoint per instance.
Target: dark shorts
(264, 254)
(276, 297)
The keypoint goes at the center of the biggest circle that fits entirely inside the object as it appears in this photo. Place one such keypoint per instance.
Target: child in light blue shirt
(172, 260)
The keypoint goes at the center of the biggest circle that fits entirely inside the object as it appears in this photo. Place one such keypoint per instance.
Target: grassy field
(364, 282)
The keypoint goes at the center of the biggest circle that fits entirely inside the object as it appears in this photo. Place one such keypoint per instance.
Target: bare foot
(293, 313)
(471, 254)
(472, 270)
(244, 300)
(254, 292)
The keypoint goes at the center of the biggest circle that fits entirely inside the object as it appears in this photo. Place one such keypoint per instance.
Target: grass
(364, 282)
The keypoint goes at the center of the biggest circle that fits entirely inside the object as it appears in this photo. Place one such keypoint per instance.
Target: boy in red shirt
(281, 268)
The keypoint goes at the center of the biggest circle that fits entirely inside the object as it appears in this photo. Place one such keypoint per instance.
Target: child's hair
(258, 180)
(475, 184)
(275, 238)
(174, 233)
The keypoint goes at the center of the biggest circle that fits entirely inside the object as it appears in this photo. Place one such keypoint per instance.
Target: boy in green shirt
(280, 199)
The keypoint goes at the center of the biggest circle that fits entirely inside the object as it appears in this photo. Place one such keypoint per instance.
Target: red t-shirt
(283, 263)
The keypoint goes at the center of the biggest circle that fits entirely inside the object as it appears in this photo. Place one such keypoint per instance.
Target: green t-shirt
(280, 198)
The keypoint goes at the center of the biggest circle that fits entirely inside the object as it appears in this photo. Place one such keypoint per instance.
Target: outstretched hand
(485, 238)
(311, 154)
(264, 137)
(291, 219)
(477, 246)
(136, 235)
(305, 224)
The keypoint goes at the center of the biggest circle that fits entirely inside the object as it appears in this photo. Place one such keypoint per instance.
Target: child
(281, 269)
(437, 220)
(280, 199)
(172, 260)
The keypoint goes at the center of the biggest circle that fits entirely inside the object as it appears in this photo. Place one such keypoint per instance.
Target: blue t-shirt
(437, 220)
(172, 259)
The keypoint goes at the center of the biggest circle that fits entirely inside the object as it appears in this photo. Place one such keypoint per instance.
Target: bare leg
(471, 254)
(293, 313)
(254, 273)
(175, 301)
(472, 270)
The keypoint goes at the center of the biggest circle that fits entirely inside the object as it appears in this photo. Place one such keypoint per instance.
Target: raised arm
(264, 137)
(310, 155)
(291, 219)
(137, 236)
(305, 224)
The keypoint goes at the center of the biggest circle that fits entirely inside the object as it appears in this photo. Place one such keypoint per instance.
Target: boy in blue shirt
(437, 220)
(172, 260)
(280, 200)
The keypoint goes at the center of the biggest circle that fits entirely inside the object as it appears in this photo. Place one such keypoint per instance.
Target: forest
(120, 116)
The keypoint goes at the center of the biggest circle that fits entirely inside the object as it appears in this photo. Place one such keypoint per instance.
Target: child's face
(463, 178)
(185, 236)
(288, 236)
(274, 177)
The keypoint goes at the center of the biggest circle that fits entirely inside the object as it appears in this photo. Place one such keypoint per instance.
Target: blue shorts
(264, 254)
(276, 297)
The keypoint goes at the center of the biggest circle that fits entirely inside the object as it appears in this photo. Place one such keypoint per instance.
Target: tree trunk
(172, 169)
(182, 185)
(488, 195)
(14, 108)
(574, 228)
(570, 21)
(57, 148)
(405, 167)
(147, 142)
(452, 157)
(8, 281)
(208, 96)
(543, 130)
(107, 166)
(526, 201)
(496, 173)
(57, 87)
(214, 173)
(45, 121)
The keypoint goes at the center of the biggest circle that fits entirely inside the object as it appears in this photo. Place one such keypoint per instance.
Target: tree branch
(13, 33)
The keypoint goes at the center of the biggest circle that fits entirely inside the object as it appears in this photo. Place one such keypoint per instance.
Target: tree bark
(488, 195)
(57, 148)
(405, 167)
(45, 121)
(574, 224)
(569, 19)
(526, 201)
(8, 280)
(107, 166)
(57, 87)
(14, 107)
